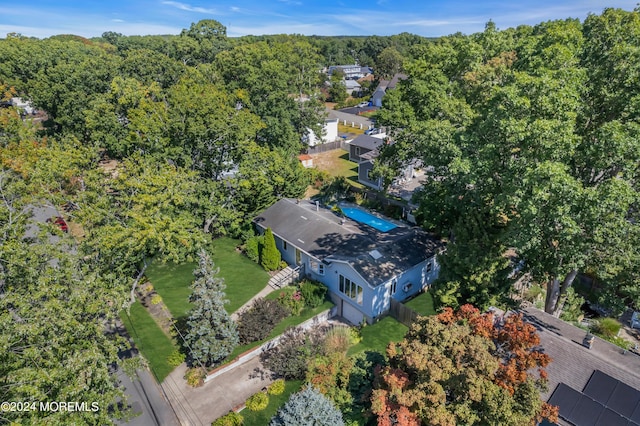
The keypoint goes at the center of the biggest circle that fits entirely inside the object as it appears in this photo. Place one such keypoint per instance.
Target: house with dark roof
(364, 263)
(364, 150)
(595, 384)
(384, 86)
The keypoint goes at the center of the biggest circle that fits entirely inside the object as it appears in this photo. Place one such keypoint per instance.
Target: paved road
(366, 122)
(148, 406)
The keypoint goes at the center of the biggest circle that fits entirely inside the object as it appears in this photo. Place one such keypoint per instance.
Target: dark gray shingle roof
(323, 234)
(572, 363)
(368, 142)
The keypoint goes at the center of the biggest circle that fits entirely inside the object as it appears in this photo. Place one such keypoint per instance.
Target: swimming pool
(362, 216)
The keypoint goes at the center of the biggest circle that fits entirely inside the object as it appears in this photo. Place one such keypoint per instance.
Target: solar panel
(635, 417)
(600, 387)
(586, 412)
(624, 399)
(566, 398)
(610, 418)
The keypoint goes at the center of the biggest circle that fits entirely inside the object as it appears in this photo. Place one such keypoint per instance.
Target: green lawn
(423, 304)
(337, 163)
(376, 337)
(152, 343)
(261, 418)
(242, 277)
(172, 282)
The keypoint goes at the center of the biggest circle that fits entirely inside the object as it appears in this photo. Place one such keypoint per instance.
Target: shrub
(195, 377)
(313, 293)
(276, 388)
(339, 339)
(289, 359)
(608, 327)
(176, 358)
(270, 256)
(231, 419)
(156, 299)
(308, 407)
(258, 401)
(291, 299)
(257, 322)
(253, 247)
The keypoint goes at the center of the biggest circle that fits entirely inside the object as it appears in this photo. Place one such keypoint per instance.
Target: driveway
(342, 116)
(200, 406)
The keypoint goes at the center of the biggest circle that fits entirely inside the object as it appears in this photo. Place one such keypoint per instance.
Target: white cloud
(190, 8)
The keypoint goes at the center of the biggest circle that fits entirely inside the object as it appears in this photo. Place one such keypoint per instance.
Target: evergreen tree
(308, 408)
(211, 333)
(270, 254)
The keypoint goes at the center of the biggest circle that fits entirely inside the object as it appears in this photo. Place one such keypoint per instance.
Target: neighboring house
(362, 267)
(329, 130)
(384, 86)
(351, 72)
(22, 105)
(352, 87)
(597, 386)
(363, 144)
(364, 150)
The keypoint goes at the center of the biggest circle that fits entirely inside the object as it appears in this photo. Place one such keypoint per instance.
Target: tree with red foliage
(459, 367)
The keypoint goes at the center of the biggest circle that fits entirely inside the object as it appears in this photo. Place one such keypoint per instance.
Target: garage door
(351, 314)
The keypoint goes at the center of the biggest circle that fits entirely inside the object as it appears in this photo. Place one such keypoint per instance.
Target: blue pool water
(368, 219)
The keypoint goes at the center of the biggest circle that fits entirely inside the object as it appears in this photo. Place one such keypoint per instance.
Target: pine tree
(309, 408)
(270, 254)
(211, 333)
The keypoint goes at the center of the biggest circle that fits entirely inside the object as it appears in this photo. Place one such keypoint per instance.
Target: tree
(211, 333)
(270, 259)
(457, 368)
(307, 408)
(389, 62)
(337, 89)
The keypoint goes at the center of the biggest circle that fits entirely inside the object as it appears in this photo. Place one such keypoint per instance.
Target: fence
(329, 146)
(402, 313)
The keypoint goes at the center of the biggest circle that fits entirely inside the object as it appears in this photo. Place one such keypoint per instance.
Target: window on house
(429, 267)
(284, 245)
(393, 287)
(317, 267)
(369, 174)
(351, 290)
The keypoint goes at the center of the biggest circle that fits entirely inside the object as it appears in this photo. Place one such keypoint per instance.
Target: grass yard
(261, 418)
(423, 304)
(377, 336)
(152, 343)
(243, 278)
(352, 131)
(337, 163)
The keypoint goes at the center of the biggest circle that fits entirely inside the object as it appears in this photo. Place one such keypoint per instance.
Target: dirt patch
(154, 304)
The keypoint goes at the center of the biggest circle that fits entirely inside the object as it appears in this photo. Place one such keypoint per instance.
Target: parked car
(58, 220)
(363, 105)
(635, 320)
(373, 131)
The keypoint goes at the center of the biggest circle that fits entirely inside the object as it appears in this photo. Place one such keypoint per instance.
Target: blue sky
(44, 18)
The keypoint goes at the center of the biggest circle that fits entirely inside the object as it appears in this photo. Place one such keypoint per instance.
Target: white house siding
(330, 133)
